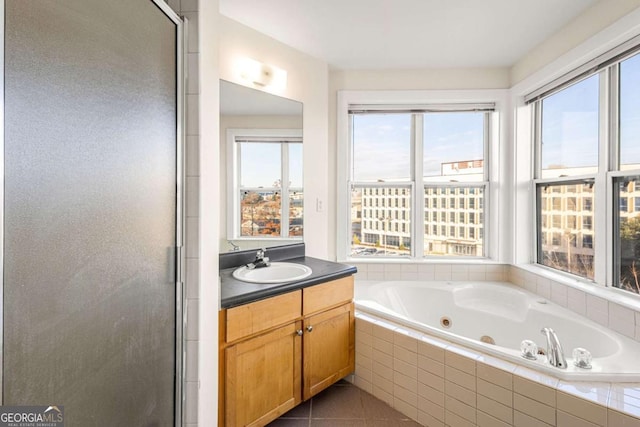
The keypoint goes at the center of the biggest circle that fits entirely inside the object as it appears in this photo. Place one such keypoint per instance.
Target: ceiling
(404, 34)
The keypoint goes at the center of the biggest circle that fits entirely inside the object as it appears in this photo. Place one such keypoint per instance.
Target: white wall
(207, 105)
(588, 23)
(201, 233)
(307, 82)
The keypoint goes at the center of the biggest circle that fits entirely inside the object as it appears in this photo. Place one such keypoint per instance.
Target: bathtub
(494, 318)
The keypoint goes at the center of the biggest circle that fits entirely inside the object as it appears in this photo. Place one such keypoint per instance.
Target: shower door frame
(180, 312)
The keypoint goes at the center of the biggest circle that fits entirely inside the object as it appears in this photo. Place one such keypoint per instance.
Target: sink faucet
(554, 349)
(260, 261)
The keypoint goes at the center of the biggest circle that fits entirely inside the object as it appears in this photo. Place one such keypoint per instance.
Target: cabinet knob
(299, 332)
(309, 328)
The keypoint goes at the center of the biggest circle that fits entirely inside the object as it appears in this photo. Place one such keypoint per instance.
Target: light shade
(263, 75)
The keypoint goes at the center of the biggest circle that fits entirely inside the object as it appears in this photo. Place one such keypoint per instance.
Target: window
(384, 150)
(587, 241)
(567, 146)
(629, 113)
(627, 239)
(596, 112)
(442, 162)
(623, 204)
(265, 184)
(569, 130)
(561, 252)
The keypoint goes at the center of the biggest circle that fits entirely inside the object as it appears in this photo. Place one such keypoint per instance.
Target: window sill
(618, 296)
(372, 260)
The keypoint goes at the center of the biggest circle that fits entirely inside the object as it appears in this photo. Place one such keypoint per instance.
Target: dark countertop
(235, 292)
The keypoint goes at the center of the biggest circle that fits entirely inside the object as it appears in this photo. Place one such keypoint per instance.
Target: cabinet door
(329, 348)
(263, 377)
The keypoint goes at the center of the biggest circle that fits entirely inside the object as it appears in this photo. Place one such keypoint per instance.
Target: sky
(630, 111)
(570, 121)
(570, 126)
(260, 164)
(447, 137)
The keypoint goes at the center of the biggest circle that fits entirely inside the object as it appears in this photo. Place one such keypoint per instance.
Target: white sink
(277, 272)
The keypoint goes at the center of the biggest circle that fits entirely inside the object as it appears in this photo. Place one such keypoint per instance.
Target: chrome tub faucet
(555, 355)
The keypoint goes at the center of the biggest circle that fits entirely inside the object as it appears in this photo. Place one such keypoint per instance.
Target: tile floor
(343, 405)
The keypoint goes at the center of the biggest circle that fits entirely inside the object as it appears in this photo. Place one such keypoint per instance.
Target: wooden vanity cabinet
(328, 348)
(280, 351)
(262, 361)
(329, 334)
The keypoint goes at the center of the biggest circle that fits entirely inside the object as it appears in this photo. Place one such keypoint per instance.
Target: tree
(630, 250)
(630, 229)
(252, 198)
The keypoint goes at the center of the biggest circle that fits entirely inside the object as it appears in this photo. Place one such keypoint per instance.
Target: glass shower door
(90, 210)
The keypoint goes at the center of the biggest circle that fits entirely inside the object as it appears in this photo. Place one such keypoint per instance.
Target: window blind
(613, 56)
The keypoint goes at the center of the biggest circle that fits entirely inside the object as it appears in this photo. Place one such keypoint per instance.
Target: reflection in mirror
(260, 169)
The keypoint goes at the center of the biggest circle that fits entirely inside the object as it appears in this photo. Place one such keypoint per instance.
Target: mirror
(260, 169)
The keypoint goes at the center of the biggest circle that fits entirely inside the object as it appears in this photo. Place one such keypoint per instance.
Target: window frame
(494, 249)
(604, 203)
(234, 137)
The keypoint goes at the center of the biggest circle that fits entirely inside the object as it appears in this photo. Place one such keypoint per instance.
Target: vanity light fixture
(262, 75)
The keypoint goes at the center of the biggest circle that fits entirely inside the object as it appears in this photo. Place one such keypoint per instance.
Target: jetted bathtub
(495, 318)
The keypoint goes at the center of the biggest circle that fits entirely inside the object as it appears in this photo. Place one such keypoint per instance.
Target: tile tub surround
(437, 383)
(401, 270)
(609, 307)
